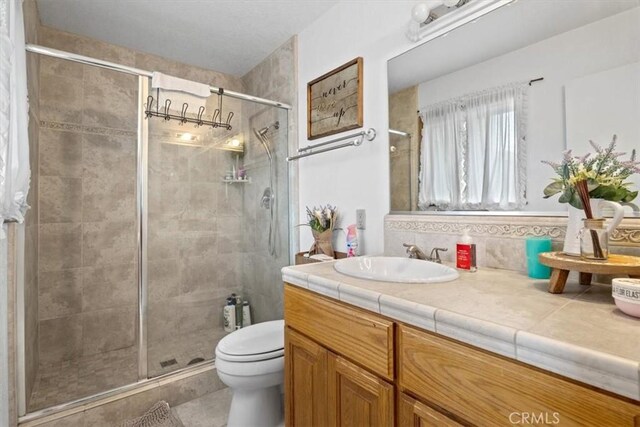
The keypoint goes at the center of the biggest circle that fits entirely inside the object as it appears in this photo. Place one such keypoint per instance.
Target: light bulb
(235, 142)
(451, 3)
(420, 12)
(186, 136)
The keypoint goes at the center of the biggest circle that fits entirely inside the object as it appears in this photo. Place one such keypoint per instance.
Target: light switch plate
(361, 219)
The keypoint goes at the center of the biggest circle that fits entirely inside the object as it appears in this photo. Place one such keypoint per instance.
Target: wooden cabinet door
(305, 381)
(412, 413)
(357, 398)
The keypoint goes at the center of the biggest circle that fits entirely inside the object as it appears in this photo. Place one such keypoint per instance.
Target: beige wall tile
(108, 243)
(60, 246)
(508, 254)
(109, 329)
(61, 67)
(60, 199)
(163, 279)
(60, 153)
(202, 200)
(31, 21)
(60, 99)
(109, 287)
(109, 200)
(60, 293)
(107, 156)
(109, 99)
(61, 40)
(60, 339)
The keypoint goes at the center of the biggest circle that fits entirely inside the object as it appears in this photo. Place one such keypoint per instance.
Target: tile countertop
(579, 334)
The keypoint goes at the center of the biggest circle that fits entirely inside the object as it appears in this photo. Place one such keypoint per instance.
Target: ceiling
(231, 36)
(504, 30)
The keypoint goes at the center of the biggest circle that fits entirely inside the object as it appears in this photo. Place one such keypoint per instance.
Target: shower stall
(144, 227)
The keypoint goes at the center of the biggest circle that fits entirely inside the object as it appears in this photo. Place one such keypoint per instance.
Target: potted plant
(601, 178)
(322, 221)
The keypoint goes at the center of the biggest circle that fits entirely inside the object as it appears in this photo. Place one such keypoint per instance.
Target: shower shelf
(233, 181)
(237, 181)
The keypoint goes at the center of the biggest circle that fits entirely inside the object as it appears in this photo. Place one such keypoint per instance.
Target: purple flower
(596, 147)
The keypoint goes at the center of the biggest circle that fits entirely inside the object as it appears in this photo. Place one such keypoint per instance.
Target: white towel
(179, 91)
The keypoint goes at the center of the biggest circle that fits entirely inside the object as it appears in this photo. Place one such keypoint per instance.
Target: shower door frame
(142, 172)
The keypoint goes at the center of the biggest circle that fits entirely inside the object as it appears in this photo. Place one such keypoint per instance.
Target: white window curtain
(473, 151)
(14, 114)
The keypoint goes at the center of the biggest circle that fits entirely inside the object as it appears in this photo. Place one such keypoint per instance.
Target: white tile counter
(579, 334)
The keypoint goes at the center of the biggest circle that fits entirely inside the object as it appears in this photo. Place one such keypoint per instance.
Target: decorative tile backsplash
(499, 239)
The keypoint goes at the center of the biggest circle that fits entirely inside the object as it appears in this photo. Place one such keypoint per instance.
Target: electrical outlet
(361, 219)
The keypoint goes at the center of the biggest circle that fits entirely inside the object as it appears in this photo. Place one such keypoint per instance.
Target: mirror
(474, 113)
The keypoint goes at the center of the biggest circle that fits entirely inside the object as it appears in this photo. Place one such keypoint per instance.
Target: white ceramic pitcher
(572, 238)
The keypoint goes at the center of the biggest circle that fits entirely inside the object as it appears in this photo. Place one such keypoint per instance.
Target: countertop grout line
(554, 311)
(514, 333)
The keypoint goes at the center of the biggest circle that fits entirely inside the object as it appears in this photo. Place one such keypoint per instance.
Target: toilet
(251, 362)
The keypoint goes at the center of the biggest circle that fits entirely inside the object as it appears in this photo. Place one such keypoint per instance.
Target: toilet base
(266, 408)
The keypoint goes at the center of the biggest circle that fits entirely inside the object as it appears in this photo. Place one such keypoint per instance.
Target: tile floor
(70, 380)
(210, 410)
(184, 348)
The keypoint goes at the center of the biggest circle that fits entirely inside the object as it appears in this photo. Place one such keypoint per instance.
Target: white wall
(602, 45)
(601, 104)
(351, 178)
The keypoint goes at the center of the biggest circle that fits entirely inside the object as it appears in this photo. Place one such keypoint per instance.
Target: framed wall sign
(334, 101)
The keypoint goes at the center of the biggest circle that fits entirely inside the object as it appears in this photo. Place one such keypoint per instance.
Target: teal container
(535, 246)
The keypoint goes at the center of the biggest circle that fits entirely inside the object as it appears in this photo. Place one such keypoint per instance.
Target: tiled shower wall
(403, 161)
(274, 78)
(87, 260)
(32, 23)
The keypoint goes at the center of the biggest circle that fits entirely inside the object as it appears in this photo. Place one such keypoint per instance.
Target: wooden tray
(561, 264)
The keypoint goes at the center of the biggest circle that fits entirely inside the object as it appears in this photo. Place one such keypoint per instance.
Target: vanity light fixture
(434, 18)
(187, 137)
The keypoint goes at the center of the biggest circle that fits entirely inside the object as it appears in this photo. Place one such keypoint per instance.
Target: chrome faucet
(416, 253)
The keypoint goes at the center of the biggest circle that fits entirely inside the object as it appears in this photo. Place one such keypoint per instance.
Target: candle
(534, 246)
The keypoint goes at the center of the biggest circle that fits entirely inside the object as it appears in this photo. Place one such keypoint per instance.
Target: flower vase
(575, 223)
(322, 243)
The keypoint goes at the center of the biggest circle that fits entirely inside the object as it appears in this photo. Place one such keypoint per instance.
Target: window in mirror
(588, 53)
(473, 151)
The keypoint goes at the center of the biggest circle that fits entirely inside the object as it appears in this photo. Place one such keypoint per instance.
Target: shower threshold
(86, 403)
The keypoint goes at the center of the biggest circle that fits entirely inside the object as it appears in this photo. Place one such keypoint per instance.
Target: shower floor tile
(74, 379)
(78, 378)
(183, 348)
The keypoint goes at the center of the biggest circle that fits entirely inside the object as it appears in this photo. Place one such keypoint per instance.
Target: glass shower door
(208, 228)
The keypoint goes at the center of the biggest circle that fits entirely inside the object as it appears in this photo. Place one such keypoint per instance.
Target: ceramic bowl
(626, 293)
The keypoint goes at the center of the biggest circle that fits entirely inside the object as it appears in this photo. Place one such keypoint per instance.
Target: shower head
(264, 130)
(262, 137)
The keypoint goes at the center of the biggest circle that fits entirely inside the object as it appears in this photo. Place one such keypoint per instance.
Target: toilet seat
(262, 341)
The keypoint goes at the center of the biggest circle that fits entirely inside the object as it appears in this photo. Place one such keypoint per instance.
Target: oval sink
(395, 269)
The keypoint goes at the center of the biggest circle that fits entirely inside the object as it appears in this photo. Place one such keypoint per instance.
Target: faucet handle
(435, 254)
(411, 250)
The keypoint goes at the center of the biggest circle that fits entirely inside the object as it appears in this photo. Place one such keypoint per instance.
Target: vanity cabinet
(327, 347)
(414, 413)
(345, 366)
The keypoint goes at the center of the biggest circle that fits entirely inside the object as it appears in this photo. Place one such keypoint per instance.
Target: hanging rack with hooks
(215, 122)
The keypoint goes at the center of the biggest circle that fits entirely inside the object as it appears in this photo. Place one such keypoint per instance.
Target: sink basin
(395, 269)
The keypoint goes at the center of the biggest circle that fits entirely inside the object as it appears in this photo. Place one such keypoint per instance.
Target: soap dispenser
(466, 253)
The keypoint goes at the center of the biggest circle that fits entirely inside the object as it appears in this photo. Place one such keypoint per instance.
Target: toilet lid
(256, 342)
